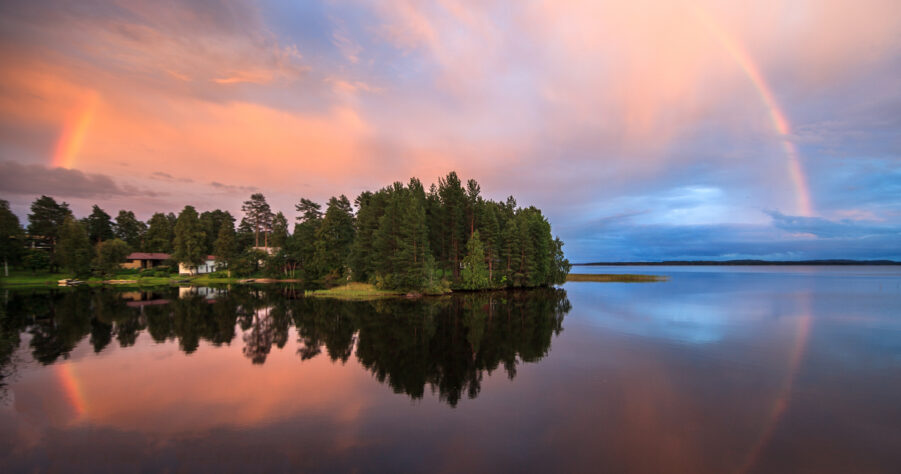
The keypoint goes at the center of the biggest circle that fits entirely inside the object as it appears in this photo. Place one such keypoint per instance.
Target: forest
(401, 237)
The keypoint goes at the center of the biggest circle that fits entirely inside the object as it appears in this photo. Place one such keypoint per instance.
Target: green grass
(20, 278)
(354, 291)
(27, 279)
(612, 277)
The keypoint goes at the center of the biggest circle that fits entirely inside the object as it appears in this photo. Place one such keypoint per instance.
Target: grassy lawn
(607, 278)
(24, 279)
(354, 291)
(20, 278)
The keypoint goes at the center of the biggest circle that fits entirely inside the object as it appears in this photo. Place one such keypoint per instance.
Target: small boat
(70, 282)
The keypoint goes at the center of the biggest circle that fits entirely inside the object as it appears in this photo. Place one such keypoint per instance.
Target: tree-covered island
(401, 238)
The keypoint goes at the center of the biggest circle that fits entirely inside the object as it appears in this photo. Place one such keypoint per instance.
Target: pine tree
(211, 222)
(130, 229)
(160, 233)
(334, 237)
(400, 244)
(225, 248)
(279, 231)
(259, 216)
(370, 207)
(46, 219)
(99, 225)
(453, 220)
(560, 266)
(303, 247)
(10, 237)
(190, 240)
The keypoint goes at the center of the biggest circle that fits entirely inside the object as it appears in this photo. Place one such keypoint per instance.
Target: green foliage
(402, 237)
(279, 231)
(99, 225)
(130, 229)
(160, 232)
(400, 244)
(334, 238)
(36, 260)
(110, 254)
(74, 252)
(560, 266)
(190, 240)
(475, 272)
(225, 248)
(409, 239)
(212, 222)
(46, 218)
(451, 222)
(11, 235)
(259, 217)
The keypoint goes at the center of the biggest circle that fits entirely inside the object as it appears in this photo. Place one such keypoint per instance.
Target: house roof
(148, 256)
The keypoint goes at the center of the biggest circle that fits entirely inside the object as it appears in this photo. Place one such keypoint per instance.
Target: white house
(208, 266)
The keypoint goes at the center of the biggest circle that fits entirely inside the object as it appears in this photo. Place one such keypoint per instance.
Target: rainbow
(780, 405)
(65, 372)
(741, 56)
(73, 134)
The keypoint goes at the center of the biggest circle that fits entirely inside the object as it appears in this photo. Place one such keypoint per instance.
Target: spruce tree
(475, 272)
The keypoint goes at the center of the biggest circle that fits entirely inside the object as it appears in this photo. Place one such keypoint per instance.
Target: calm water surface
(719, 369)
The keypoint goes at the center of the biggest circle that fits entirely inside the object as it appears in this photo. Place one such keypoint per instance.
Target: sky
(644, 130)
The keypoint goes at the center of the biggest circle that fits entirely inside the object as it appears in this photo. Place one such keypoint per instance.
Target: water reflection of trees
(447, 344)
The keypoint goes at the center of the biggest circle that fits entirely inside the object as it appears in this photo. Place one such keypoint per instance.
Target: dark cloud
(831, 229)
(232, 188)
(17, 178)
(787, 238)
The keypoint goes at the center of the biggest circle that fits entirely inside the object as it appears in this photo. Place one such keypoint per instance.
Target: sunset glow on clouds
(644, 129)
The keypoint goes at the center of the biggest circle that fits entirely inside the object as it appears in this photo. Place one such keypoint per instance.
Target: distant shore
(739, 263)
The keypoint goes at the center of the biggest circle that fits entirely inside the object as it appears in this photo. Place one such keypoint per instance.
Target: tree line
(400, 237)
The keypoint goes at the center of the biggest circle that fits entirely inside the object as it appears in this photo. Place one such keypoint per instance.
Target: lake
(718, 369)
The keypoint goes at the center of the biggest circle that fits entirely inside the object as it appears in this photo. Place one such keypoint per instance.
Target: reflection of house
(208, 294)
(208, 266)
(141, 260)
(139, 299)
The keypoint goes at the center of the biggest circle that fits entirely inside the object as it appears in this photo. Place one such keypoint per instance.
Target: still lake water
(719, 369)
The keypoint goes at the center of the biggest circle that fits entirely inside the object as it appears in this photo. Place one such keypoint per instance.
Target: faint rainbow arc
(733, 47)
(72, 388)
(74, 132)
(780, 405)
